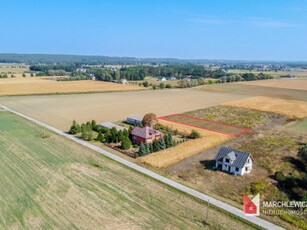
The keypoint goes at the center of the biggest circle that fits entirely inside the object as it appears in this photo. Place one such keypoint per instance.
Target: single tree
(75, 128)
(99, 137)
(143, 150)
(162, 144)
(150, 120)
(126, 143)
(151, 149)
(156, 146)
(94, 125)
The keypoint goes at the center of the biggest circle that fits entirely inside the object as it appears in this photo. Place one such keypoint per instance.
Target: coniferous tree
(156, 146)
(75, 128)
(99, 137)
(147, 148)
(162, 144)
(151, 149)
(170, 138)
(93, 125)
(126, 143)
(143, 150)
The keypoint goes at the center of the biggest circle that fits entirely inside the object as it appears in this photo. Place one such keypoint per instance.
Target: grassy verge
(51, 182)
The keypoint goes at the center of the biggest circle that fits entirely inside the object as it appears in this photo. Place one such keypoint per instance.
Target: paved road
(238, 212)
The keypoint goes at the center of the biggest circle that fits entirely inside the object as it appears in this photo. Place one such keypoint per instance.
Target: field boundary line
(246, 130)
(219, 204)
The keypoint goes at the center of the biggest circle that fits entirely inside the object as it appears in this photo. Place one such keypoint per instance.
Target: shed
(110, 125)
(134, 119)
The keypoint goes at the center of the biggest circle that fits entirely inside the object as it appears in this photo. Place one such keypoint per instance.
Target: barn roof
(238, 158)
(110, 125)
(135, 117)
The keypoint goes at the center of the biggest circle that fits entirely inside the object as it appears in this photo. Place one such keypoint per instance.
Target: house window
(237, 169)
(246, 168)
(227, 160)
(248, 161)
(134, 137)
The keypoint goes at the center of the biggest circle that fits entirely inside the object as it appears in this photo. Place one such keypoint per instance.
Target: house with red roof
(144, 135)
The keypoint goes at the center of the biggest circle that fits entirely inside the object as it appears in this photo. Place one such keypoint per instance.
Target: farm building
(172, 78)
(124, 81)
(233, 161)
(287, 76)
(187, 79)
(145, 135)
(161, 79)
(134, 119)
(110, 125)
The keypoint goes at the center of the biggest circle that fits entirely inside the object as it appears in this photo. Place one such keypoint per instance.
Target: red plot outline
(246, 130)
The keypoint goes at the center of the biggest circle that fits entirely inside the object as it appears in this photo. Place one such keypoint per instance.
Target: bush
(162, 86)
(145, 84)
(279, 176)
(168, 86)
(176, 132)
(290, 182)
(194, 134)
(154, 87)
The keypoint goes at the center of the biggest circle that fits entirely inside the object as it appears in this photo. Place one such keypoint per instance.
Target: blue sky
(215, 29)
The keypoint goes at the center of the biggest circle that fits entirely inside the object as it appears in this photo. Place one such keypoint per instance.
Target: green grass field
(300, 126)
(49, 182)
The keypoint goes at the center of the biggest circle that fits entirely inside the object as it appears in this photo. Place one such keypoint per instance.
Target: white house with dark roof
(161, 79)
(234, 161)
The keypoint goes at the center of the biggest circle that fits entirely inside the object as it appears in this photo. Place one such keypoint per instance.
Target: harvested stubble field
(299, 84)
(205, 124)
(60, 110)
(297, 73)
(184, 150)
(32, 86)
(289, 108)
(13, 69)
(50, 182)
(254, 90)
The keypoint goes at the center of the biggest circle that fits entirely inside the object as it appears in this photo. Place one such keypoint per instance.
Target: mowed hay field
(31, 86)
(289, 108)
(297, 73)
(60, 110)
(49, 182)
(13, 69)
(299, 84)
(184, 150)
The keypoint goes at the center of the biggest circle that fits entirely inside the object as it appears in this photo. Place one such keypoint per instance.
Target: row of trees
(164, 143)
(46, 68)
(3, 75)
